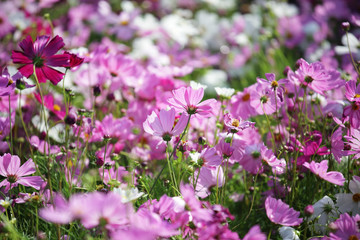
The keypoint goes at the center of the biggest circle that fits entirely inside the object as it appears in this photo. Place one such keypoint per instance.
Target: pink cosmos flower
(255, 234)
(188, 99)
(263, 99)
(320, 169)
(41, 54)
(49, 104)
(337, 145)
(207, 158)
(241, 104)
(7, 83)
(280, 213)
(278, 166)
(198, 212)
(14, 174)
(236, 125)
(346, 228)
(162, 124)
(316, 77)
(352, 91)
(354, 142)
(291, 29)
(251, 161)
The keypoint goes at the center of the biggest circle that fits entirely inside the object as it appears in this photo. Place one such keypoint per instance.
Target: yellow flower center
(56, 107)
(235, 123)
(357, 96)
(274, 84)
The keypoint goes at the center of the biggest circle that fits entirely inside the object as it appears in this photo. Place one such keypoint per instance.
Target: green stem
(11, 139)
(173, 152)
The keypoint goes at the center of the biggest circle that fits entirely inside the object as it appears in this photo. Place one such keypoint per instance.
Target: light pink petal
(180, 125)
(179, 95)
(11, 163)
(6, 184)
(335, 177)
(33, 181)
(167, 119)
(26, 169)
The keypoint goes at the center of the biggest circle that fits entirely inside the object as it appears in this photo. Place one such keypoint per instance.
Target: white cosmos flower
(128, 194)
(224, 92)
(195, 85)
(324, 210)
(288, 233)
(354, 45)
(350, 202)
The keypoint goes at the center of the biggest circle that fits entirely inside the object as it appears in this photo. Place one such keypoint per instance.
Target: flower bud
(96, 91)
(70, 119)
(345, 26)
(100, 161)
(309, 210)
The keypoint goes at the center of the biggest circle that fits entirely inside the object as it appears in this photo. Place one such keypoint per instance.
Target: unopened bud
(345, 26)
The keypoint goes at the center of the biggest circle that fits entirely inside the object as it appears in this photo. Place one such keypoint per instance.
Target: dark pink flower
(189, 99)
(280, 213)
(74, 60)
(320, 169)
(49, 104)
(41, 54)
(15, 174)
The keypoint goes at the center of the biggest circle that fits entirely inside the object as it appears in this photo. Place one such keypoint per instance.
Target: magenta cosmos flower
(320, 169)
(162, 124)
(280, 213)
(10, 168)
(188, 99)
(41, 54)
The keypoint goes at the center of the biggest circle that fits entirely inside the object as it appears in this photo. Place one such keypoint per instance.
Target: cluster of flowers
(233, 165)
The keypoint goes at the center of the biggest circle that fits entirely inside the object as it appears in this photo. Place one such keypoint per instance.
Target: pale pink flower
(162, 124)
(280, 213)
(189, 99)
(15, 174)
(320, 169)
(235, 124)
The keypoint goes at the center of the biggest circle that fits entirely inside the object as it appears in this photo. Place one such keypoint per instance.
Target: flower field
(180, 119)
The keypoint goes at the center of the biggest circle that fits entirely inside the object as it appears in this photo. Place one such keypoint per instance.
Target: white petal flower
(128, 195)
(288, 233)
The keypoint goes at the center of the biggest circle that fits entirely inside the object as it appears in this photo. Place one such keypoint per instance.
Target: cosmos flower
(350, 202)
(15, 174)
(236, 125)
(346, 228)
(162, 124)
(41, 54)
(324, 211)
(280, 213)
(320, 169)
(188, 99)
